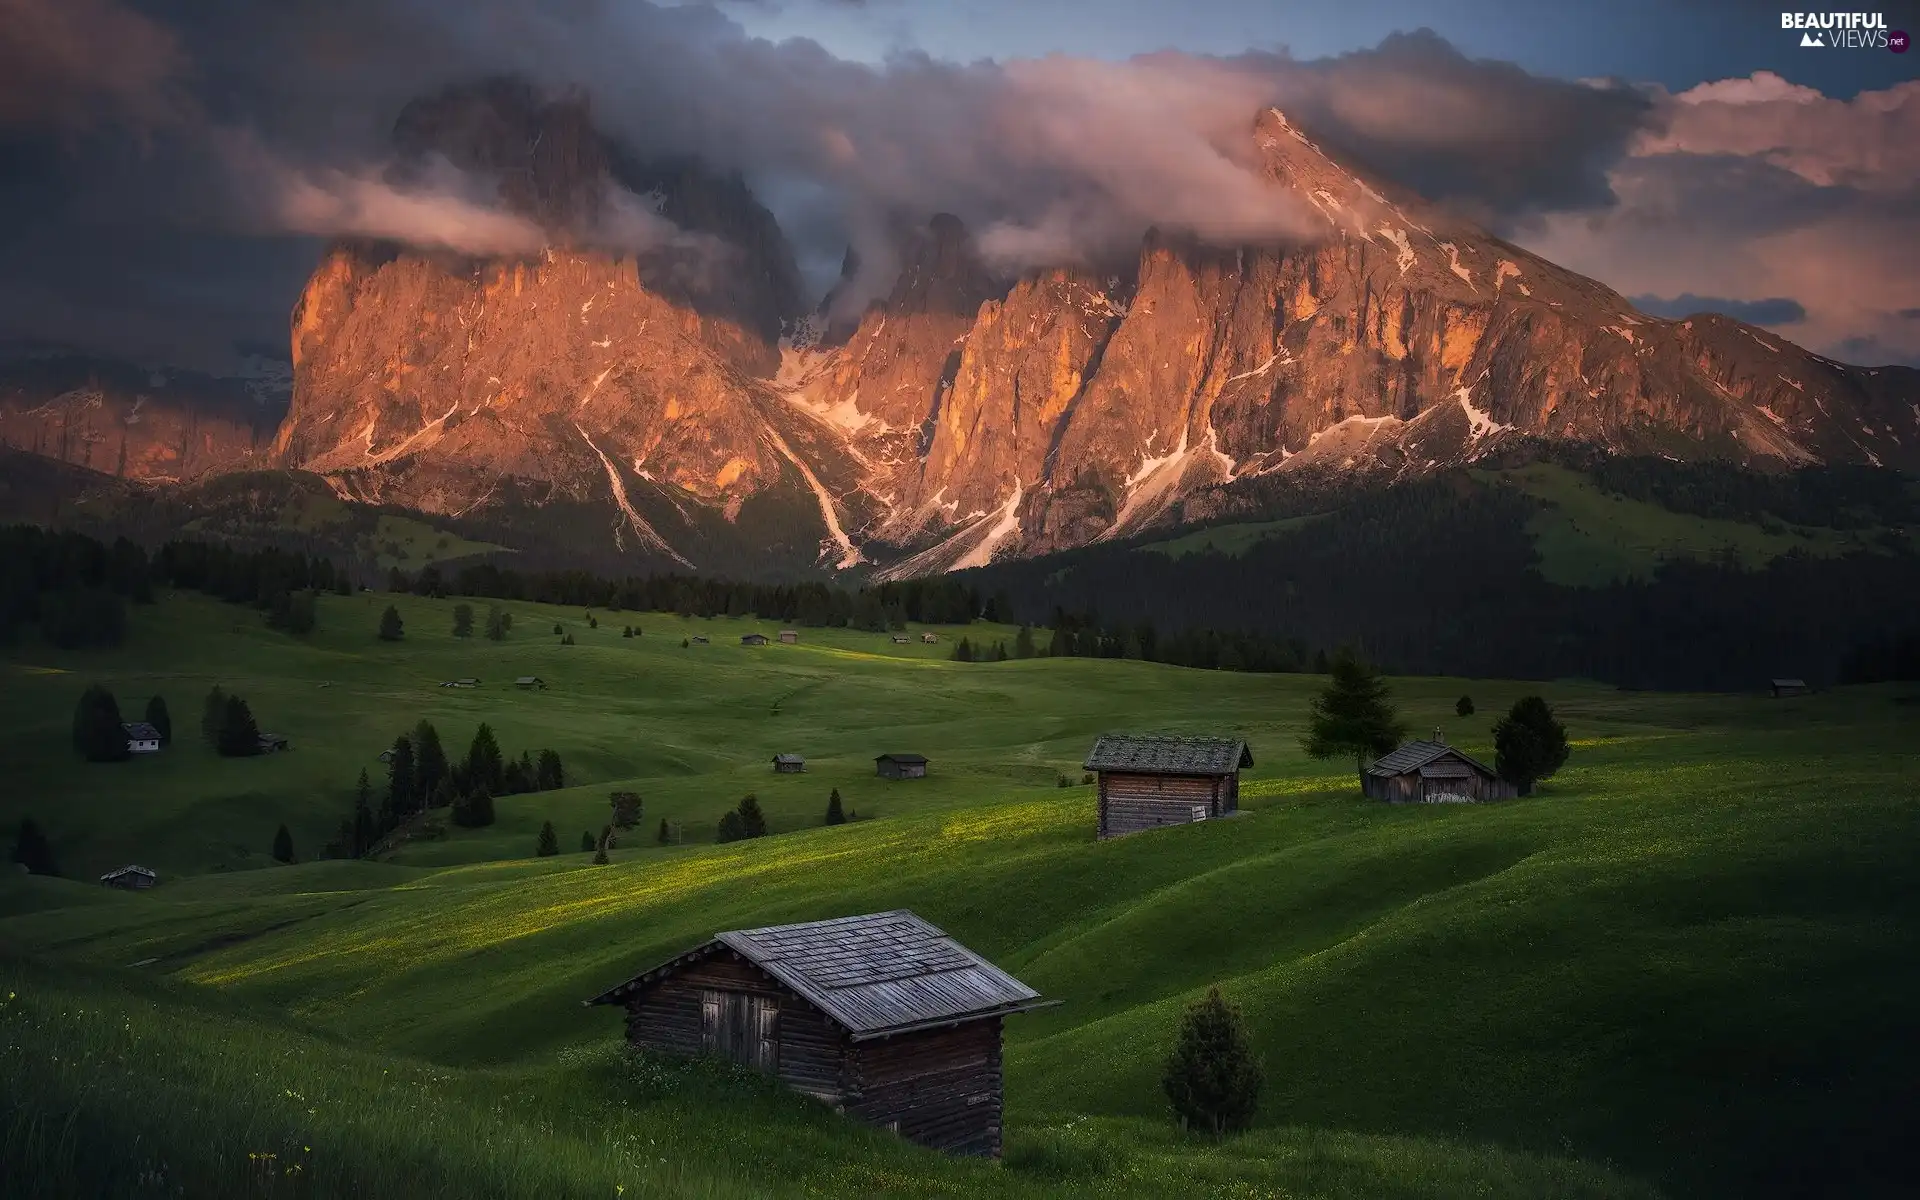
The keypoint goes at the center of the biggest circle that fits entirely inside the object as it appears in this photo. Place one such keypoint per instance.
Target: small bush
(1211, 1077)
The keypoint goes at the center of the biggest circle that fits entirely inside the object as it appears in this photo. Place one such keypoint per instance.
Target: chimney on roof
(1438, 736)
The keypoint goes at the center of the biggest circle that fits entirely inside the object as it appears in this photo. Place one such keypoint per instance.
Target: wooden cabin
(789, 636)
(882, 1016)
(753, 639)
(789, 764)
(901, 766)
(698, 640)
(929, 638)
(386, 756)
(130, 878)
(273, 743)
(142, 738)
(531, 683)
(901, 639)
(1432, 772)
(1789, 687)
(1147, 782)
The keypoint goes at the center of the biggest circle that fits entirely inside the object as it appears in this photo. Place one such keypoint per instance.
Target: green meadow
(1683, 968)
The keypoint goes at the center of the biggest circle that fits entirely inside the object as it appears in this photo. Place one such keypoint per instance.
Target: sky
(170, 169)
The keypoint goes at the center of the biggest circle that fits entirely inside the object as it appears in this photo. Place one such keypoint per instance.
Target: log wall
(940, 1088)
(1131, 803)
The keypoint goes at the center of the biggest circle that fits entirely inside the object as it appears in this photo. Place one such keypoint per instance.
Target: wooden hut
(530, 683)
(130, 878)
(901, 766)
(1789, 687)
(142, 738)
(789, 636)
(273, 743)
(1432, 772)
(1148, 782)
(882, 1016)
(901, 639)
(929, 638)
(699, 639)
(789, 764)
(753, 639)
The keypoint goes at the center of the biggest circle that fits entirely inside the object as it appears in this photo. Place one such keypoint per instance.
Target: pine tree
(392, 629)
(548, 775)
(498, 623)
(32, 850)
(463, 620)
(627, 632)
(730, 830)
(485, 766)
(1353, 715)
(364, 834)
(835, 814)
(665, 835)
(283, 845)
(429, 763)
(1463, 707)
(626, 808)
(402, 787)
(1211, 1077)
(97, 735)
(1061, 644)
(213, 711)
(963, 652)
(753, 822)
(159, 718)
(1529, 744)
(587, 843)
(600, 851)
(549, 844)
(1023, 642)
(239, 736)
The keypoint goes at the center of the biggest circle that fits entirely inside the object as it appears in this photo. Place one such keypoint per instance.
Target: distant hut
(882, 1016)
(789, 764)
(929, 638)
(901, 766)
(789, 636)
(1151, 781)
(1789, 687)
(466, 681)
(753, 639)
(700, 640)
(142, 738)
(1432, 772)
(530, 683)
(273, 743)
(901, 639)
(386, 756)
(130, 878)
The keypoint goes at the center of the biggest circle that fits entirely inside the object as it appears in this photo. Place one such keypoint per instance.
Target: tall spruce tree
(549, 843)
(213, 710)
(392, 628)
(159, 718)
(1529, 744)
(753, 822)
(429, 763)
(1023, 642)
(587, 843)
(402, 786)
(835, 814)
(463, 620)
(283, 845)
(364, 835)
(239, 737)
(32, 850)
(486, 767)
(548, 774)
(97, 735)
(1211, 1078)
(1353, 715)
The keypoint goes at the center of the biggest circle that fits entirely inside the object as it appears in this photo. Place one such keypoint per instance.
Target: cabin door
(741, 1026)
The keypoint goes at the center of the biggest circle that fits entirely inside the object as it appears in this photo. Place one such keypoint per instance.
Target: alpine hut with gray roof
(1147, 782)
(882, 1016)
(1432, 772)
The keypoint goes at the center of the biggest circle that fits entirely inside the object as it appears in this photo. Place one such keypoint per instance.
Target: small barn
(142, 738)
(130, 878)
(789, 764)
(466, 681)
(929, 638)
(882, 1016)
(386, 756)
(531, 683)
(901, 766)
(901, 639)
(699, 640)
(789, 636)
(1432, 772)
(1147, 782)
(1789, 687)
(273, 743)
(753, 639)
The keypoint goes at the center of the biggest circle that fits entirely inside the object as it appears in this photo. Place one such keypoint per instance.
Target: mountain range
(653, 381)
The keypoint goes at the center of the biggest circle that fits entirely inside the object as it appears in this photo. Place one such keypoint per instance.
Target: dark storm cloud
(1775, 310)
(271, 121)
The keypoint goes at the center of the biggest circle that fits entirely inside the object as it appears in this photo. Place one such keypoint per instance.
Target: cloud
(1754, 189)
(1774, 310)
(71, 65)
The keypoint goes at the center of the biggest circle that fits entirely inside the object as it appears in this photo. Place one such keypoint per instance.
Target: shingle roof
(140, 731)
(900, 758)
(1412, 756)
(129, 870)
(788, 758)
(873, 975)
(1799, 683)
(1164, 755)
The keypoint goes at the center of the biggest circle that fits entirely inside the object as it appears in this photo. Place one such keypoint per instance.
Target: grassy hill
(1682, 968)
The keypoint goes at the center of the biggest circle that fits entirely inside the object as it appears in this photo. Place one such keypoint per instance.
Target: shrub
(587, 844)
(835, 815)
(1211, 1077)
(392, 629)
(666, 835)
(283, 845)
(1529, 744)
(626, 808)
(1463, 707)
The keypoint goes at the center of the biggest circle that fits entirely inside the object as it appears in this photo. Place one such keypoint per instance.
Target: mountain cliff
(968, 416)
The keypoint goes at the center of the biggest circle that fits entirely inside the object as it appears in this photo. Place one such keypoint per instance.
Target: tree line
(421, 776)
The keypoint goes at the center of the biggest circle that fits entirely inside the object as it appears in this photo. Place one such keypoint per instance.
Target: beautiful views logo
(1844, 30)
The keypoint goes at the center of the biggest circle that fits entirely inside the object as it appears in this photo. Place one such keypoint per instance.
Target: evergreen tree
(627, 632)
(963, 652)
(463, 620)
(1463, 707)
(1529, 744)
(1353, 715)
(753, 822)
(548, 775)
(429, 763)
(32, 850)
(626, 809)
(485, 767)
(283, 845)
(835, 815)
(1061, 644)
(403, 788)
(391, 627)
(498, 623)
(97, 735)
(730, 830)
(1211, 1077)
(342, 844)
(600, 850)
(557, 631)
(1023, 642)
(587, 843)
(239, 736)
(213, 711)
(364, 834)
(665, 834)
(158, 717)
(474, 810)
(549, 844)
